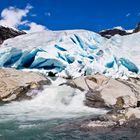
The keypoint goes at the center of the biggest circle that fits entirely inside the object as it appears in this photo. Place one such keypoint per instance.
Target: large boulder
(14, 84)
(122, 116)
(107, 92)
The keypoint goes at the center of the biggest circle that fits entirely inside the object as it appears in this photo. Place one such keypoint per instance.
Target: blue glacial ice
(9, 57)
(73, 53)
(129, 65)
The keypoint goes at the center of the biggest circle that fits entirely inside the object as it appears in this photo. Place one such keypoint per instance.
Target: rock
(114, 119)
(116, 31)
(101, 124)
(107, 92)
(111, 32)
(126, 101)
(112, 130)
(117, 116)
(132, 113)
(137, 29)
(14, 84)
(6, 33)
(121, 117)
(97, 129)
(124, 118)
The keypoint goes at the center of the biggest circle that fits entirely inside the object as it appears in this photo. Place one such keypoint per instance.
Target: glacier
(73, 53)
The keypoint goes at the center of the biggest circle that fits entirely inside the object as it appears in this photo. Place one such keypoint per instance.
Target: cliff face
(6, 33)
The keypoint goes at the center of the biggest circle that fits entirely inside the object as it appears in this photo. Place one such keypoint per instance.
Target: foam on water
(53, 102)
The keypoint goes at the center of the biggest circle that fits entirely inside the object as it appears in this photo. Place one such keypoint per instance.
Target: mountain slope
(111, 32)
(118, 31)
(73, 53)
(6, 33)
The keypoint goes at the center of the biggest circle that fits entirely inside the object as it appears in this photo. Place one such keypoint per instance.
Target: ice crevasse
(72, 53)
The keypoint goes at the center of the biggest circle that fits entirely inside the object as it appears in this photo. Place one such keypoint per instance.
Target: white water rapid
(53, 102)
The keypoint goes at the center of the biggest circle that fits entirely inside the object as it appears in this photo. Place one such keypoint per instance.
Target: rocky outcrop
(111, 32)
(107, 92)
(116, 31)
(14, 84)
(137, 29)
(6, 33)
(115, 118)
(113, 130)
(122, 116)
(122, 100)
(100, 129)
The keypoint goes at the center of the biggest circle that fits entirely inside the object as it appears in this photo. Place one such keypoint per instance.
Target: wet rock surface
(14, 84)
(120, 97)
(122, 122)
(105, 92)
(95, 128)
(112, 131)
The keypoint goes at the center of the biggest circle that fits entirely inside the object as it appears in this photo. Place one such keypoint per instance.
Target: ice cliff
(73, 53)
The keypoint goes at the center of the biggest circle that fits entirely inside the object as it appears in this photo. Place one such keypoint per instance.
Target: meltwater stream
(36, 118)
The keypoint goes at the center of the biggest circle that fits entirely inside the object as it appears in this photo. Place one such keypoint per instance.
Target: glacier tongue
(73, 53)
